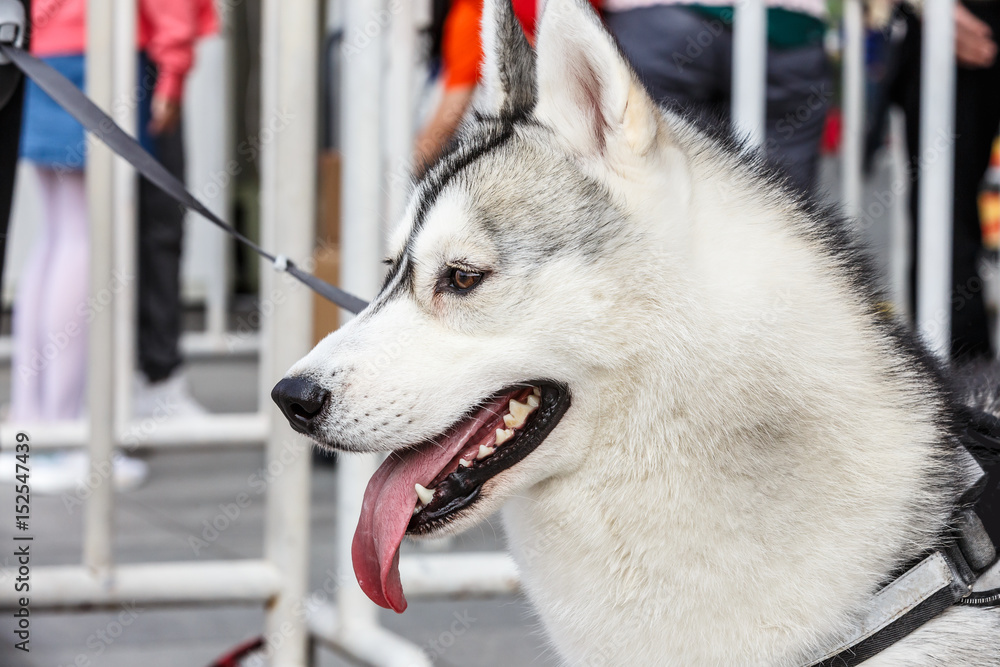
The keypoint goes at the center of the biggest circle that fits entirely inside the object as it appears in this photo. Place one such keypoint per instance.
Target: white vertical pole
(360, 270)
(402, 47)
(749, 70)
(854, 105)
(899, 241)
(937, 117)
(289, 82)
(127, 97)
(217, 293)
(97, 524)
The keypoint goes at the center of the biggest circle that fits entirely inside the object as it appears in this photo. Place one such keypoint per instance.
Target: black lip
(461, 488)
(300, 425)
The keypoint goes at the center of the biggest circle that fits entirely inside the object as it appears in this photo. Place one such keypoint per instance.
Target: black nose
(300, 399)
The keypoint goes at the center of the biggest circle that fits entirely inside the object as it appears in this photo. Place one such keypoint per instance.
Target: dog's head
(510, 304)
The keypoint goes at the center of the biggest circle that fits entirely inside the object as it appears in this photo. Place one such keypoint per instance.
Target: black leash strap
(104, 128)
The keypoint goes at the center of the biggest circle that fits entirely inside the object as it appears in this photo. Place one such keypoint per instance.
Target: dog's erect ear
(508, 74)
(587, 92)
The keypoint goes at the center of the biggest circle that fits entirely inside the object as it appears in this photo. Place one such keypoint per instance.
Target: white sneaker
(168, 398)
(53, 473)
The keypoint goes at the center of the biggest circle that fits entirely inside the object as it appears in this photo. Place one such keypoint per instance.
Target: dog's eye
(462, 281)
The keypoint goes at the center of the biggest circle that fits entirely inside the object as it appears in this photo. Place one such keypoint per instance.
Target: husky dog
(710, 445)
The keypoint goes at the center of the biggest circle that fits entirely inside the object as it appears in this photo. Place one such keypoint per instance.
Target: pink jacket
(167, 31)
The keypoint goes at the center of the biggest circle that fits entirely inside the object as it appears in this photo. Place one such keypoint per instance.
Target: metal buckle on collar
(973, 540)
(12, 26)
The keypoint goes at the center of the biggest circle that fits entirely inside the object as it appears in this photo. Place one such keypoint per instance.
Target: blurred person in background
(461, 57)
(977, 119)
(160, 386)
(52, 310)
(683, 53)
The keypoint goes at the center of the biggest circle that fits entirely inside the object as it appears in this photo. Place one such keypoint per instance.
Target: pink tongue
(388, 506)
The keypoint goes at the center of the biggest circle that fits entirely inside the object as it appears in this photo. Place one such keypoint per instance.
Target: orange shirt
(462, 48)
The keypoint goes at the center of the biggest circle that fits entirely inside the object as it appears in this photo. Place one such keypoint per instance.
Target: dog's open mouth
(422, 488)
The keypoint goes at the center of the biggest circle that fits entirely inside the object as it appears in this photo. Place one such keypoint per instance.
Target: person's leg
(161, 230)
(28, 363)
(977, 119)
(799, 93)
(677, 53)
(64, 302)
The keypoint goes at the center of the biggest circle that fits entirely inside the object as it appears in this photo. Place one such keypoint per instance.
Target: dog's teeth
(536, 391)
(425, 495)
(518, 414)
(503, 435)
(533, 401)
(464, 463)
(484, 451)
(417, 507)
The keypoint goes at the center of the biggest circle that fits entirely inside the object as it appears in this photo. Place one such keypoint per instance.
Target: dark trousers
(11, 99)
(684, 59)
(10, 117)
(977, 119)
(161, 230)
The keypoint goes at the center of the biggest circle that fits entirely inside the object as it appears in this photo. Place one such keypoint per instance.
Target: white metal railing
(124, 228)
(852, 144)
(98, 513)
(937, 120)
(749, 89)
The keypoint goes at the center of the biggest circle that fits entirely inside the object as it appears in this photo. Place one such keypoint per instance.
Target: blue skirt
(50, 137)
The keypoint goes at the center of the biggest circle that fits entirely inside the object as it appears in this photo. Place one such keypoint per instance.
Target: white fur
(747, 453)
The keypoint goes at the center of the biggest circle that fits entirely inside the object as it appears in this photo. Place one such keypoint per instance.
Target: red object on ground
(832, 130)
(234, 657)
